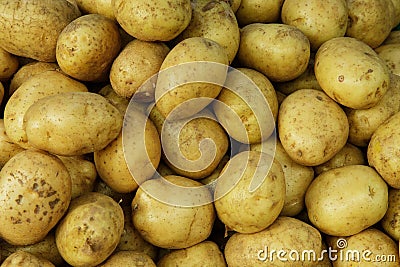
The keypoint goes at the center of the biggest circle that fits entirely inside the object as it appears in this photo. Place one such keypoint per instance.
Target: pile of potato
(122, 142)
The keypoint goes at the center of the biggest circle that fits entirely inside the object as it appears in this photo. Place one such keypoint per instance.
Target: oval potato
(258, 11)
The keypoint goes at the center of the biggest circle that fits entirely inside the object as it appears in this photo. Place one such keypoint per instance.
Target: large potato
(337, 200)
(240, 205)
(391, 221)
(40, 85)
(8, 65)
(312, 127)
(8, 149)
(318, 21)
(269, 48)
(91, 230)
(31, 28)
(87, 47)
(358, 80)
(253, 11)
(35, 191)
(391, 55)
(86, 122)
(25, 259)
(153, 20)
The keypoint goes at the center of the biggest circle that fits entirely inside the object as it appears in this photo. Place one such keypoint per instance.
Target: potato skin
(391, 221)
(258, 11)
(128, 259)
(85, 123)
(391, 55)
(25, 259)
(31, 28)
(8, 65)
(8, 149)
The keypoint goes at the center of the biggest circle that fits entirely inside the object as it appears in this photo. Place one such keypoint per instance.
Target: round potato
(262, 204)
(31, 28)
(286, 234)
(391, 221)
(91, 230)
(258, 11)
(337, 199)
(318, 21)
(313, 137)
(206, 254)
(103, 7)
(280, 44)
(87, 47)
(25, 259)
(156, 219)
(40, 85)
(35, 192)
(137, 62)
(206, 68)
(85, 123)
(391, 55)
(153, 20)
(128, 259)
(358, 80)
(8, 148)
(383, 149)
(8, 65)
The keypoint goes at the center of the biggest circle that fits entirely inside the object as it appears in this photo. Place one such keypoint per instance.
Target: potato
(153, 20)
(8, 65)
(396, 11)
(41, 85)
(22, 258)
(391, 221)
(31, 28)
(137, 62)
(364, 122)
(393, 38)
(8, 149)
(230, 106)
(337, 200)
(273, 246)
(370, 21)
(121, 103)
(280, 44)
(85, 123)
(206, 68)
(87, 47)
(35, 190)
(348, 155)
(313, 137)
(128, 259)
(383, 150)
(214, 20)
(158, 206)
(319, 22)
(253, 11)
(103, 7)
(370, 247)
(235, 191)
(297, 178)
(91, 230)
(206, 254)
(391, 55)
(358, 80)
(83, 174)
(235, 5)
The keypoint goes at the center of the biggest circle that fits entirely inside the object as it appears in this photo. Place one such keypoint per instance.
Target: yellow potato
(8, 149)
(391, 221)
(31, 28)
(103, 7)
(91, 230)
(253, 11)
(35, 190)
(8, 65)
(269, 47)
(337, 200)
(153, 20)
(391, 55)
(87, 47)
(121, 103)
(25, 259)
(86, 122)
(351, 83)
(128, 259)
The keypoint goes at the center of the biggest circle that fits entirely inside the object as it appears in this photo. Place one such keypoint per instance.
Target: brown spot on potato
(341, 78)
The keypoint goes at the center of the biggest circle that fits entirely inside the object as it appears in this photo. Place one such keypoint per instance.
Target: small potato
(103, 7)
(40, 85)
(91, 230)
(261, 11)
(87, 47)
(206, 254)
(383, 149)
(25, 259)
(8, 149)
(236, 192)
(391, 221)
(8, 65)
(157, 221)
(121, 103)
(348, 155)
(351, 83)
(153, 20)
(31, 28)
(391, 55)
(86, 122)
(337, 200)
(137, 62)
(313, 137)
(35, 191)
(318, 21)
(364, 122)
(280, 44)
(286, 234)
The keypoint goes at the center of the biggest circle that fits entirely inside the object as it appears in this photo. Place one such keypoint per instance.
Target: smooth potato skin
(258, 11)
(391, 55)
